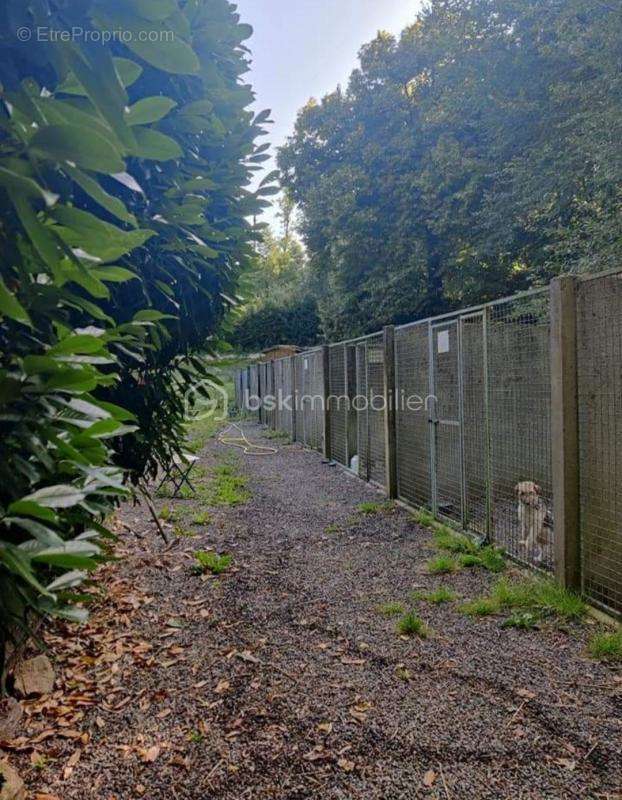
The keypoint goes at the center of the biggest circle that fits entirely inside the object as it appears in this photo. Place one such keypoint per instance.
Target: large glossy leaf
(149, 109)
(25, 186)
(107, 201)
(58, 496)
(10, 305)
(155, 145)
(153, 9)
(42, 533)
(71, 555)
(68, 143)
(100, 239)
(20, 563)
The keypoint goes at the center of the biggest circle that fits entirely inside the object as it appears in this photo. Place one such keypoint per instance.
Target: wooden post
(565, 431)
(326, 395)
(389, 413)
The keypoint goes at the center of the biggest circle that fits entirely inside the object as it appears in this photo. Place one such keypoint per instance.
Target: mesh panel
(254, 387)
(298, 392)
(286, 399)
(520, 406)
(351, 415)
(447, 436)
(474, 429)
(599, 360)
(269, 414)
(412, 383)
(315, 408)
(375, 395)
(310, 386)
(362, 426)
(263, 390)
(277, 369)
(338, 403)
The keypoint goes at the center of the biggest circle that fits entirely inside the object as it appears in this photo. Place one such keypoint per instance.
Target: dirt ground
(281, 679)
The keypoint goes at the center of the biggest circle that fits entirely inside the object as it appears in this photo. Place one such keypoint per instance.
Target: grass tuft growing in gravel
(424, 518)
(212, 562)
(281, 435)
(468, 552)
(168, 514)
(178, 530)
(334, 527)
(441, 595)
(480, 607)
(446, 539)
(202, 518)
(227, 488)
(391, 609)
(411, 624)
(442, 565)
(538, 597)
(606, 646)
(487, 557)
(523, 620)
(371, 507)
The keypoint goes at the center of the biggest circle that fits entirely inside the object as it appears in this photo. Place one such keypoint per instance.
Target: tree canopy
(475, 156)
(280, 307)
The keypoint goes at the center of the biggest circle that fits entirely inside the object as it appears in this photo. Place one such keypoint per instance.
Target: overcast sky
(304, 48)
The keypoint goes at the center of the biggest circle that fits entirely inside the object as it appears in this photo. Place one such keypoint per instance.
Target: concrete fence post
(326, 401)
(390, 459)
(565, 431)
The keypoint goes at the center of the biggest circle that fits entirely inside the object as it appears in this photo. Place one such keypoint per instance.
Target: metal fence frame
(509, 396)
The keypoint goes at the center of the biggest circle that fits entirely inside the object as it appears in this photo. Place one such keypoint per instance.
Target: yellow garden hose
(241, 442)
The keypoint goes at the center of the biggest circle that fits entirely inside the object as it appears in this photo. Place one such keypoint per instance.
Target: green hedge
(294, 323)
(123, 234)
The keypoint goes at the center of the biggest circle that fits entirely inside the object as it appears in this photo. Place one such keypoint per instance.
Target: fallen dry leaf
(325, 727)
(568, 763)
(151, 754)
(222, 687)
(346, 765)
(429, 779)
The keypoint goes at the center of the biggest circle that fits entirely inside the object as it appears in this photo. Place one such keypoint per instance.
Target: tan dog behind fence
(532, 514)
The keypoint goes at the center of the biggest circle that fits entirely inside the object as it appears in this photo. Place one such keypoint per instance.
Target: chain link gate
(488, 428)
(446, 421)
(412, 384)
(477, 510)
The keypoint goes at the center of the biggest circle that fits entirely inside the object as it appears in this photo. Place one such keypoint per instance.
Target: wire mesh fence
(362, 427)
(375, 409)
(520, 424)
(338, 403)
(412, 384)
(473, 421)
(478, 433)
(599, 372)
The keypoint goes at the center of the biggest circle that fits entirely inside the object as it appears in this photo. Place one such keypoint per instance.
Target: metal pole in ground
(565, 431)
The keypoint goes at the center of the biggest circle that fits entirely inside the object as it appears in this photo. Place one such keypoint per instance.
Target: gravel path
(281, 679)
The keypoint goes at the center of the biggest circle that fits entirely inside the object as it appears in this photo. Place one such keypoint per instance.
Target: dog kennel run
(454, 414)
